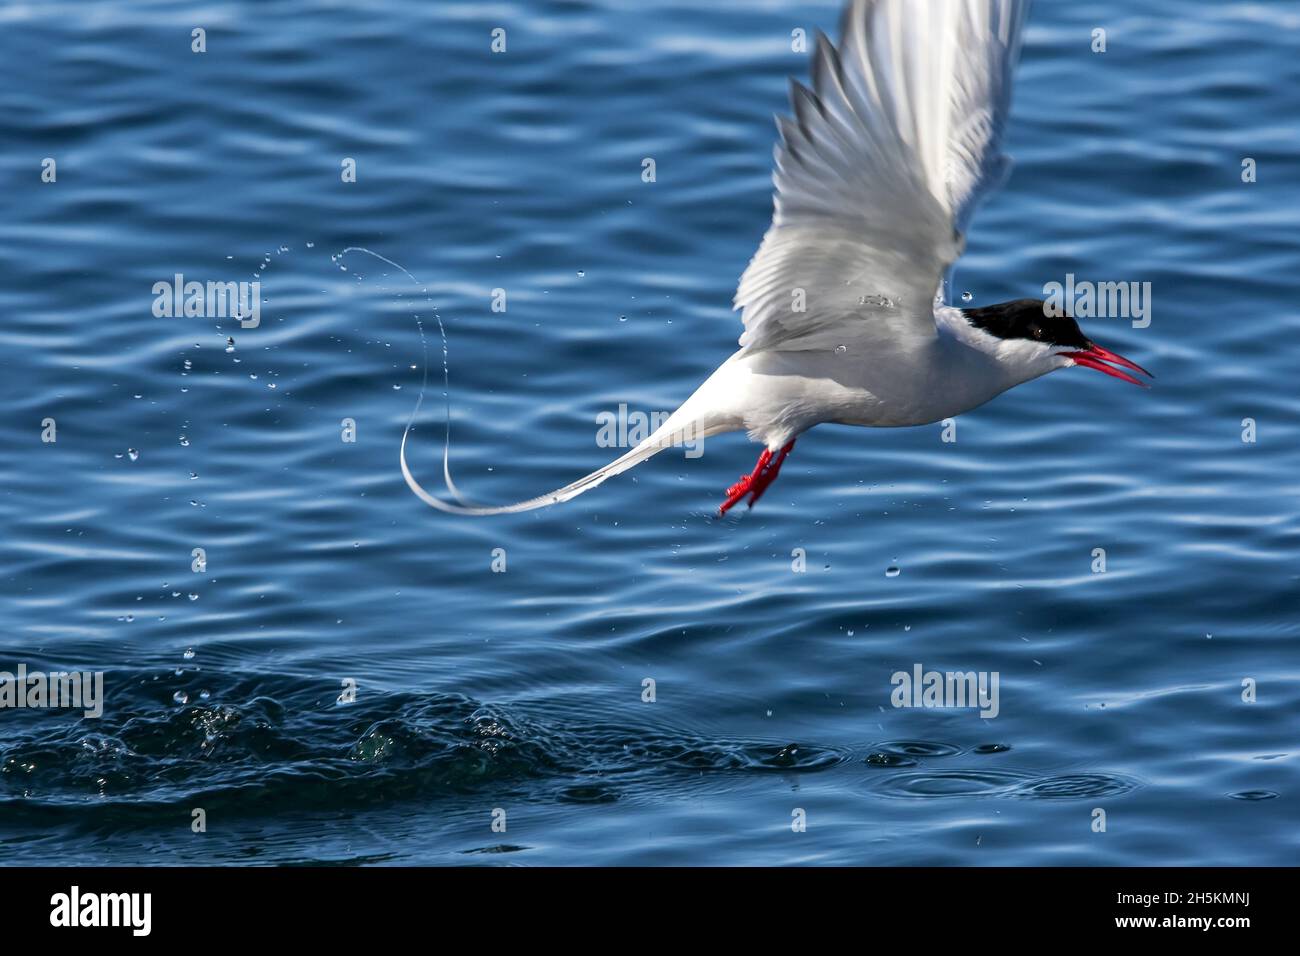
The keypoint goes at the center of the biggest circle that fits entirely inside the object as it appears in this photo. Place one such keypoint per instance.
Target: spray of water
(424, 382)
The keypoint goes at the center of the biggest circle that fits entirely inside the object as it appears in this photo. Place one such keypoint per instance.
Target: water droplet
(189, 654)
(311, 245)
(622, 318)
(893, 571)
(194, 597)
(966, 296)
(205, 694)
(181, 697)
(185, 442)
(841, 349)
(581, 273)
(132, 454)
(189, 364)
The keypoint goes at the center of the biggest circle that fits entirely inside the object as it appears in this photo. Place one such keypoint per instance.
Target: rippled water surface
(518, 694)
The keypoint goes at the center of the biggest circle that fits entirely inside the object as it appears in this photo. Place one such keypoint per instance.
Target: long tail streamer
(663, 438)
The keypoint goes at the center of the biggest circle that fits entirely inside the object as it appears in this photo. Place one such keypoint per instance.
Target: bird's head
(1036, 339)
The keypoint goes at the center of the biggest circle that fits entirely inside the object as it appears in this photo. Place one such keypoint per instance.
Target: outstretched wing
(879, 170)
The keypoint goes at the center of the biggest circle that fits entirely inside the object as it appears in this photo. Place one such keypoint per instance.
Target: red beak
(1094, 356)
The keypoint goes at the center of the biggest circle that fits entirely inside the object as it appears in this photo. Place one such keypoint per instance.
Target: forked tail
(677, 430)
(688, 423)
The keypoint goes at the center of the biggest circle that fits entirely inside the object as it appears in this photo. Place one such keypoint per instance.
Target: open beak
(1094, 356)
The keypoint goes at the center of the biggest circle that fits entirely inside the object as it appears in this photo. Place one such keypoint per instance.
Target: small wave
(952, 783)
(1003, 783)
(918, 748)
(1076, 786)
(248, 745)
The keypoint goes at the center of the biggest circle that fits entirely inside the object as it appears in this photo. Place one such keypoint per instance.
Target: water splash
(424, 378)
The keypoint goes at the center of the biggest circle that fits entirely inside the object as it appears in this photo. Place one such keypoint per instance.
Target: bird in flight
(877, 174)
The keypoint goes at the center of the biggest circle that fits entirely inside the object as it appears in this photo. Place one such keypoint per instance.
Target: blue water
(522, 690)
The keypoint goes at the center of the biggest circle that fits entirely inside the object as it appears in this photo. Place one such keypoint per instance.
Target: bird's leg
(769, 474)
(746, 483)
(756, 482)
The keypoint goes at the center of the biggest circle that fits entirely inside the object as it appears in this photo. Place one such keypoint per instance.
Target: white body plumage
(877, 173)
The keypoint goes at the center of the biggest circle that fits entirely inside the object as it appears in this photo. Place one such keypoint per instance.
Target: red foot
(756, 482)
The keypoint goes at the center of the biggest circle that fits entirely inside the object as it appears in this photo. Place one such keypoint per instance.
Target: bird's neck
(996, 364)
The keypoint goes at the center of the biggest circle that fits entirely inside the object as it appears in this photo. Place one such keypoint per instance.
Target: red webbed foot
(758, 480)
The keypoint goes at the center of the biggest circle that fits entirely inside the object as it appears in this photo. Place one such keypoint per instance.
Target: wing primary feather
(879, 166)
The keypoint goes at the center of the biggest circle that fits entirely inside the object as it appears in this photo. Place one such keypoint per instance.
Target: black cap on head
(1028, 319)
